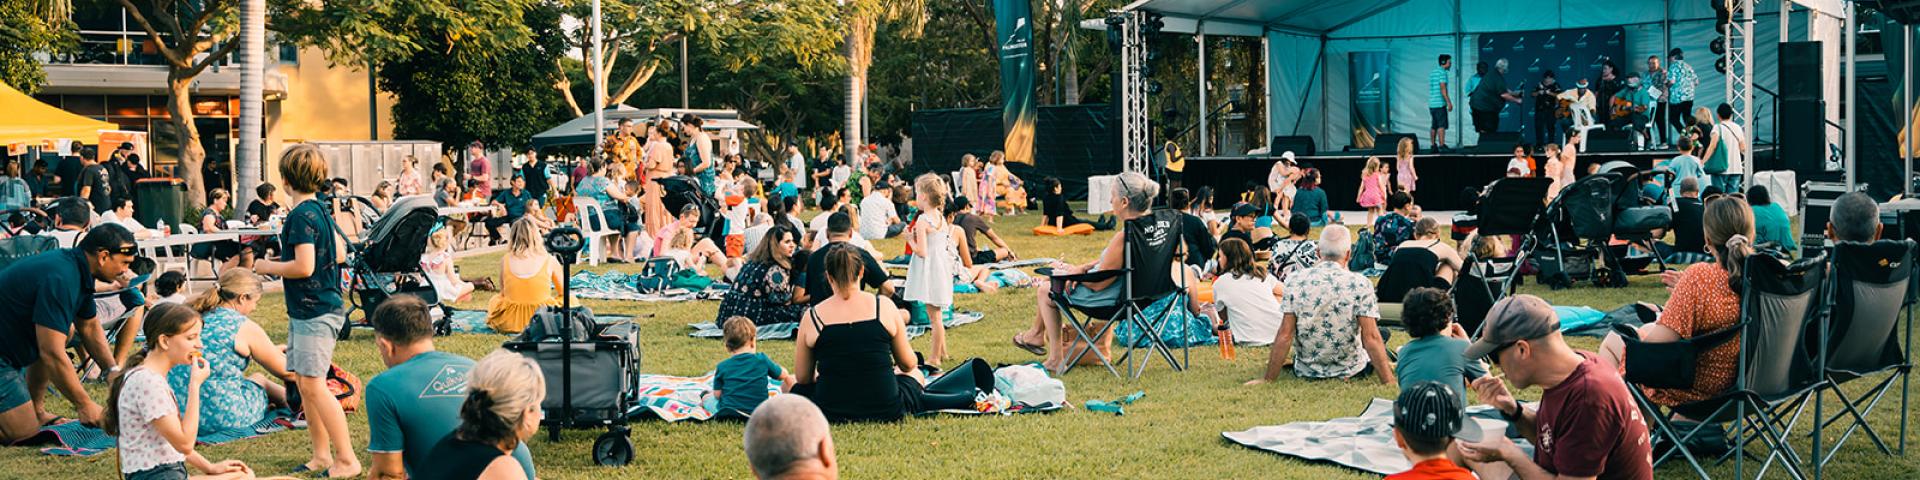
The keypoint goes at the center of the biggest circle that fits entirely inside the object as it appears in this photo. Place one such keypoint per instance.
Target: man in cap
(1427, 418)
(1586, 424)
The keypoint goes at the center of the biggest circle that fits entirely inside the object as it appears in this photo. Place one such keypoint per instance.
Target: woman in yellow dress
(528, 276)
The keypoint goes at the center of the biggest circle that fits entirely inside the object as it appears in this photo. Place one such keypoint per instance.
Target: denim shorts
(310, 343)
(171, 471)
(13, 388)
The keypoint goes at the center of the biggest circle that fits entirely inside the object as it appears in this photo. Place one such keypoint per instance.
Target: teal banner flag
(1013, 20)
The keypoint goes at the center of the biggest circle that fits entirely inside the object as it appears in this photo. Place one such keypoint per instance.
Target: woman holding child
(765, 290)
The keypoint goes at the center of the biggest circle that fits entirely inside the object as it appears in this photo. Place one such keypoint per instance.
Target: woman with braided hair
(502, 410)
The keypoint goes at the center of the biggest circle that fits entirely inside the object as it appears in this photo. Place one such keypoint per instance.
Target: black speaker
(1300, 145)
(1803, 143)
(1389, 143)
(1497, 142)
(1800, 72)
(1608, 141)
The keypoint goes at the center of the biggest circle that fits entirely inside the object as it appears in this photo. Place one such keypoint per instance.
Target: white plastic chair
(1583, 122)
(596, 246)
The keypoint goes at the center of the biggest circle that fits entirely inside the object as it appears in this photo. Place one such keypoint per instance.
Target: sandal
(1030, 348)
(56, 420)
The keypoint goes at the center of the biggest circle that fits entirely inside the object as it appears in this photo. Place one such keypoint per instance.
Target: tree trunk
(192, 155)
(856, 94)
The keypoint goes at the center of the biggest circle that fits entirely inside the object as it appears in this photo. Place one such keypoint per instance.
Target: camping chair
(1872, 286)
(1508, 206)
(1146, 275)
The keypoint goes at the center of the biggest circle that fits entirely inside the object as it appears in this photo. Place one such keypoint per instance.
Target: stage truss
(1133, 94)
(1739, 78)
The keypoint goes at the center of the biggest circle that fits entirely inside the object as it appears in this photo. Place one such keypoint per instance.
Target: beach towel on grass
(786, 331)
(621, 286)
(475, 321)
(674, 398)
(1364, 442)
(72, 439)
(1010, 264)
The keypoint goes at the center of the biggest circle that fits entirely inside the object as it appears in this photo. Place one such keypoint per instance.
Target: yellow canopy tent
(27, 120)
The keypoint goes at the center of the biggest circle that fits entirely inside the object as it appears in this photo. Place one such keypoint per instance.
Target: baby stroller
(1590, 213)
(680, 191)
(1637, 216)
(388, 263)
(1508, 206)
(591, 368)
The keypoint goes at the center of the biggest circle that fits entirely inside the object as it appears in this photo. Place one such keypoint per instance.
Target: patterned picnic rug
(72, 439)
(786, 331)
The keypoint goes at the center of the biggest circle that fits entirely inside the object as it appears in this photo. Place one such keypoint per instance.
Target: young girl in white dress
(438, 265)
(930, 272)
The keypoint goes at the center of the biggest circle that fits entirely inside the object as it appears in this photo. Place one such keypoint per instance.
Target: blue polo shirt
(49, 290)
(413, 405)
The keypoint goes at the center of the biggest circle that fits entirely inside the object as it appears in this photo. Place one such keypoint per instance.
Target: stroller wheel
(613, 449)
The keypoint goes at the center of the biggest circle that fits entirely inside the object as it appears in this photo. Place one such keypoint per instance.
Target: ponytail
(119, 379)
(478, 422)
(208, 300)
(1733, 259)
(232, 284)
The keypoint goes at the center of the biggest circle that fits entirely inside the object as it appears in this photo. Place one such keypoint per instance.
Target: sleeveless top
(227, 399)
(456, 459)
(855, 365)
(930, 272)
(519, 298)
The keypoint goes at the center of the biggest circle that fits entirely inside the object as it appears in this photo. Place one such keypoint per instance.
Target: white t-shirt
(145, 397)
(840, 176)
(1734, 139)
(738, 215)
(1519, 164)
(876, 214)
(798, 165)
(1252, 311)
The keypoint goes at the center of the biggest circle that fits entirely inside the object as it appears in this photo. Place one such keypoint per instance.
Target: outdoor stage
(1442, 176)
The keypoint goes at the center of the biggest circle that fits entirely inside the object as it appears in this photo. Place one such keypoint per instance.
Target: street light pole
(599, 83)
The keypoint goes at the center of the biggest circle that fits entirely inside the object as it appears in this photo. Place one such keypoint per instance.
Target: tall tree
(646, 32)
(863, 20)
(460, 91)
(28, 27)
(190, 36)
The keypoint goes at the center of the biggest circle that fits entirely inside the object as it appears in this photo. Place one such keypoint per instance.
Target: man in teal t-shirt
(416, 402)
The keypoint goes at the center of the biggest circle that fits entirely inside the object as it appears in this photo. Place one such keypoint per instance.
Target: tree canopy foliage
(28, 27)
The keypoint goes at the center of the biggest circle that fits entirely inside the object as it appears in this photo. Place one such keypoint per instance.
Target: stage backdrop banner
(1018, 112)
(1372, 113)
(1572, 54)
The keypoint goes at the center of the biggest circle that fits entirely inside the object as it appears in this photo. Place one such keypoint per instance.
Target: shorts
(171, 471)
(985, 256)
(310, 343)
(736, 245)
(13, 388)
(1439, 115)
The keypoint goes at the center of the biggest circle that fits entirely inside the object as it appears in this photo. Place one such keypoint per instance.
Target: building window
(289, 53)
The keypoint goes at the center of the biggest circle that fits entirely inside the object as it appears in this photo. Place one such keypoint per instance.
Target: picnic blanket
(72, 439)
(620, 286)
(674, 399)
(900, 263)
(1364, 442)
(475, 321)
(786, 331)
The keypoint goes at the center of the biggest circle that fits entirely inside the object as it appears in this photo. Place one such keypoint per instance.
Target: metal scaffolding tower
(1133, 94)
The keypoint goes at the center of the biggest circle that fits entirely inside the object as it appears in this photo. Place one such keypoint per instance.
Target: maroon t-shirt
(1589, 427)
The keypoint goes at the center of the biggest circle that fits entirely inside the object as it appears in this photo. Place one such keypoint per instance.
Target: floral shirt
(1682, 80)
(1327, 302)
(1389, 231)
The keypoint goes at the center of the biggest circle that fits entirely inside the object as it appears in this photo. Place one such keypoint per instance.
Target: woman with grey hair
(1132, 198)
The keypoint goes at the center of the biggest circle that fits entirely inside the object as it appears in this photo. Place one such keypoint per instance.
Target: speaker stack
(1802, 115)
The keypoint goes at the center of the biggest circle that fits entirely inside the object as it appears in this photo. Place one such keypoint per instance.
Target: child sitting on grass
(740, 381)
(438, 265)
(1434, 354)
(168, 287)
(155, 438)
(1426, 419)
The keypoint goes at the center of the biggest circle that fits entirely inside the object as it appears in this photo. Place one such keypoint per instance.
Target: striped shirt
(1436, 88)
(1683, 81)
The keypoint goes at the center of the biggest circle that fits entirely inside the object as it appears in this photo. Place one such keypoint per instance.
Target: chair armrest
(1094, 276)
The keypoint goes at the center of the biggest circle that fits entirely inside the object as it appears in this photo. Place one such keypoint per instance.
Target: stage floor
(1443, 176)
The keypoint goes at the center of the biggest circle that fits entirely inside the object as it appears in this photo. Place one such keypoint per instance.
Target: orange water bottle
(1226, 340)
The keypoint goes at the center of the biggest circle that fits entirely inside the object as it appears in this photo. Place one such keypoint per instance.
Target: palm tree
(863, 19)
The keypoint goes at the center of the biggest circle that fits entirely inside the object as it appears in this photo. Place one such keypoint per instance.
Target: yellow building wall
(324, 102)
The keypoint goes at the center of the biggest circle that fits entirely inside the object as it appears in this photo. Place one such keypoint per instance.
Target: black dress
(856, 380)
(456, 459)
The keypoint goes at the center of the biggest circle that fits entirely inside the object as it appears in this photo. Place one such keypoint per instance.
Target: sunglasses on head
(125, 250)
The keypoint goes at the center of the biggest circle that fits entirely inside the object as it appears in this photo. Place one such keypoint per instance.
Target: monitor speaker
(1800, 72)
(1609, 141)
(1497, 142)
(1300, 145)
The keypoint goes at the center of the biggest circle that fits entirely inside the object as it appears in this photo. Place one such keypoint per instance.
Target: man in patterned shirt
(1439, 102)
(1681, 81)
(1331, 321)
(1656, 79)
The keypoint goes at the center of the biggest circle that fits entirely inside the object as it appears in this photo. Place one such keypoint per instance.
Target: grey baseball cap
(1431, 411)
(1515, 318)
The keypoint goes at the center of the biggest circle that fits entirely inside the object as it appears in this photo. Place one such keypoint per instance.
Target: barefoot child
(1373, 188)
(930, 273)
(155, 438)
(740, 381)
(311, 252)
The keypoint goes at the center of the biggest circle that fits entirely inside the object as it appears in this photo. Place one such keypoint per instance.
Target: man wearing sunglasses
(1586, 425)
(43, 300)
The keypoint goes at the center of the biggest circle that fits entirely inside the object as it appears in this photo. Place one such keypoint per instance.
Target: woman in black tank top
(849, 369)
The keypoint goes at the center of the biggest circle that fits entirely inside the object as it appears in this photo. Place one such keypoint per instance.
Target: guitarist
(1487, 98)
(1635, 103)
(1546, 110)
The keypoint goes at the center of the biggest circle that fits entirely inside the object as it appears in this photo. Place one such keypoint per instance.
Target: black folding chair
(1872, 292)
(1147, 275)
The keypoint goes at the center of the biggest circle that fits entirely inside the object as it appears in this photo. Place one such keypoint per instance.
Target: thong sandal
(303, 469)
(1030, 348)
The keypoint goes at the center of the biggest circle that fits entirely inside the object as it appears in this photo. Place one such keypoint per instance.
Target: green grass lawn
(1174, 432)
